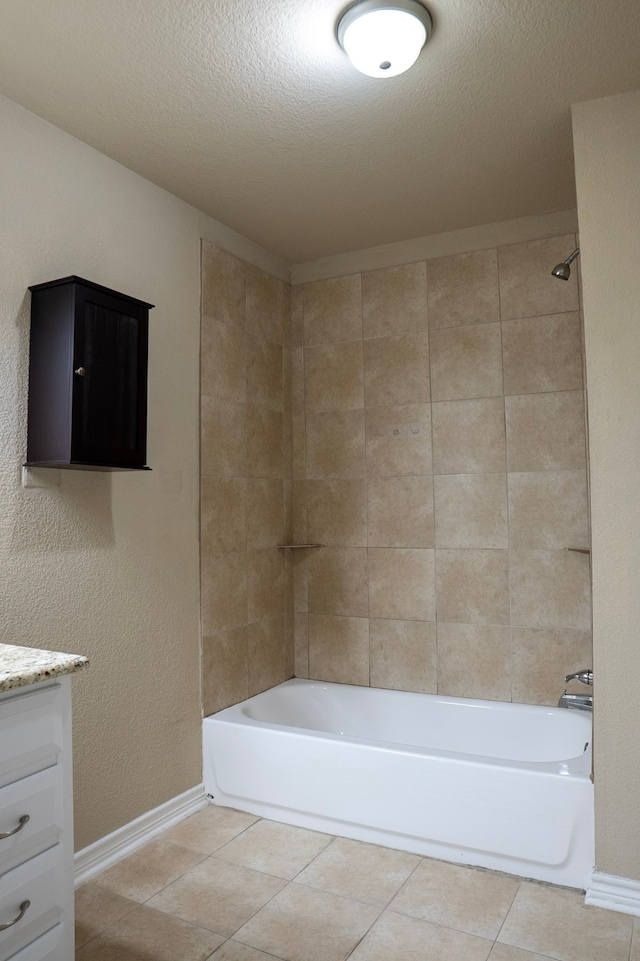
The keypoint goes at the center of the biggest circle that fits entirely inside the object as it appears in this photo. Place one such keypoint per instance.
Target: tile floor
(226, 886)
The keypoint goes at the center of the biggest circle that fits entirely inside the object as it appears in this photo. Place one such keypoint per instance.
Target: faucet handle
(585, 676)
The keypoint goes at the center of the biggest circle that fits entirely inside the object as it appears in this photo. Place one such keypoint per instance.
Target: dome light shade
(383, 38)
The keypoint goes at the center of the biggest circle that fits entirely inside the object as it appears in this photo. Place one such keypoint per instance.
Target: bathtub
(501, 786)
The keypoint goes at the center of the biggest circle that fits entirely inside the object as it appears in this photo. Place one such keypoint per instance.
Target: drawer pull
(9, 924)
(21, 823)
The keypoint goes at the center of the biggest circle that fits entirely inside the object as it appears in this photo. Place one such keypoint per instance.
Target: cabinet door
(109, 382)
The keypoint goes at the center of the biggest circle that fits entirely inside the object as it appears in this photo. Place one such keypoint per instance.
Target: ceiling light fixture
(383, 38)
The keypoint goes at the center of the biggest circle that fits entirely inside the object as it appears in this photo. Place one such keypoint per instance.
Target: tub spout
(577, 702)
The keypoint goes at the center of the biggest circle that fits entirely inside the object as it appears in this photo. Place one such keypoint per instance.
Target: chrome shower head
(563, 270)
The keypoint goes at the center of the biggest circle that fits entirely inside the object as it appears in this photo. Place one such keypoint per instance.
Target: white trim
(614, 893)
(438, 245)
(105, 852)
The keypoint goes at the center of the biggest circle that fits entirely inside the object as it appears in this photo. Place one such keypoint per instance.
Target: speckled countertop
(20, 666)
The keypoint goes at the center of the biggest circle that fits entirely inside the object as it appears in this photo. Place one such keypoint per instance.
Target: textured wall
(439, 454)
(245, 487)
(607, 147)
(107, 564)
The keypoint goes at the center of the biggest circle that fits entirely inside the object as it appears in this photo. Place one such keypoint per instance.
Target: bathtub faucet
(579, 702)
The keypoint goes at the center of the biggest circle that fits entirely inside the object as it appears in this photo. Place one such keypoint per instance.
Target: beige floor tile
(234, 951)
(475, 902)
(96, 909)
(301, 924)
(146, 935)
(148, 870)
(635, 941)
(360, 871)
(397, 938)
(559, 924)
(273, 848)
(504, 952)
(209, 829)
(217, 895)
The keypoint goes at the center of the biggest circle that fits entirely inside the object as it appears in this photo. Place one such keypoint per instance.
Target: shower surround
(426, 423)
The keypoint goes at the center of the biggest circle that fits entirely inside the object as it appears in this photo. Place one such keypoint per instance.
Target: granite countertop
(20, 666)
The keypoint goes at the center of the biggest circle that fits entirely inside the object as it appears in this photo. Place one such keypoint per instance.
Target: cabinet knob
(80, 371)
(9, 924)
(21, 823)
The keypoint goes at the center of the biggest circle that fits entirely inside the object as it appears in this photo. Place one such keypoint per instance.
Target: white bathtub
(503, 786)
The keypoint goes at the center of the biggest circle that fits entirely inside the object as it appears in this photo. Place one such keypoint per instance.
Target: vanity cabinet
(87, 377)
(36, 823)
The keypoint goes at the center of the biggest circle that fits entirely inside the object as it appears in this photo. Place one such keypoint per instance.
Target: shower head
(563, 270)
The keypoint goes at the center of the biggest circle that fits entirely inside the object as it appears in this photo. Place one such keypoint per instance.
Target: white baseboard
(614, 893)
(105, 852)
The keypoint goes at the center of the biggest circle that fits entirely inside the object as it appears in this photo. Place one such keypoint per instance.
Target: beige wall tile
(472, 586)
(297, 381)
(402, 584)
(301, 644)
(403, 655)
(298, 446)
(333, 377)
(297, 317)
(469, 436)
(394, 300)
(400, 511)
(224, 592)
(266, 305)
(265, 576)
(471, 510)
(463, 289)
(542, 354)
(223, 438)
(546, 431)
(265, 513)
(299, 506)
(300, 581)
(223, 285)
(265, 442)
(396, 370)
(265, 373)
(338, 581)
(527, 288)
(398, 440)
(548, 510)
(266, 645)
(223, 361)
(466, 362)
(335, 444)
(550, 589)
(333, 310)
(339, 649)
(223, 514)
(541, 659)
(337, 512)
(224, 670)
(474, 661)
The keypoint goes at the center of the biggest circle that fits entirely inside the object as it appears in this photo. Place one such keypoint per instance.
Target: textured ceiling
(250, 110)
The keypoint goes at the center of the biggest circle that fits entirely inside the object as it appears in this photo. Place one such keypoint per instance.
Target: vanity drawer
(38, 797)
(47, 948)
(41, 882)
(31, 732)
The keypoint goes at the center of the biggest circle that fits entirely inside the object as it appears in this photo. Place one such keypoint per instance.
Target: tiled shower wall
(245, 459)
(439, 453)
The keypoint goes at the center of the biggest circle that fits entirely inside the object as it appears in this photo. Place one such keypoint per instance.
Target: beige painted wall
(607, 148)
(439, 455)
(107, 564)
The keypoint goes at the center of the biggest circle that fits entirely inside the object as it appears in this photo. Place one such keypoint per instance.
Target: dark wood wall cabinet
(87, 377)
